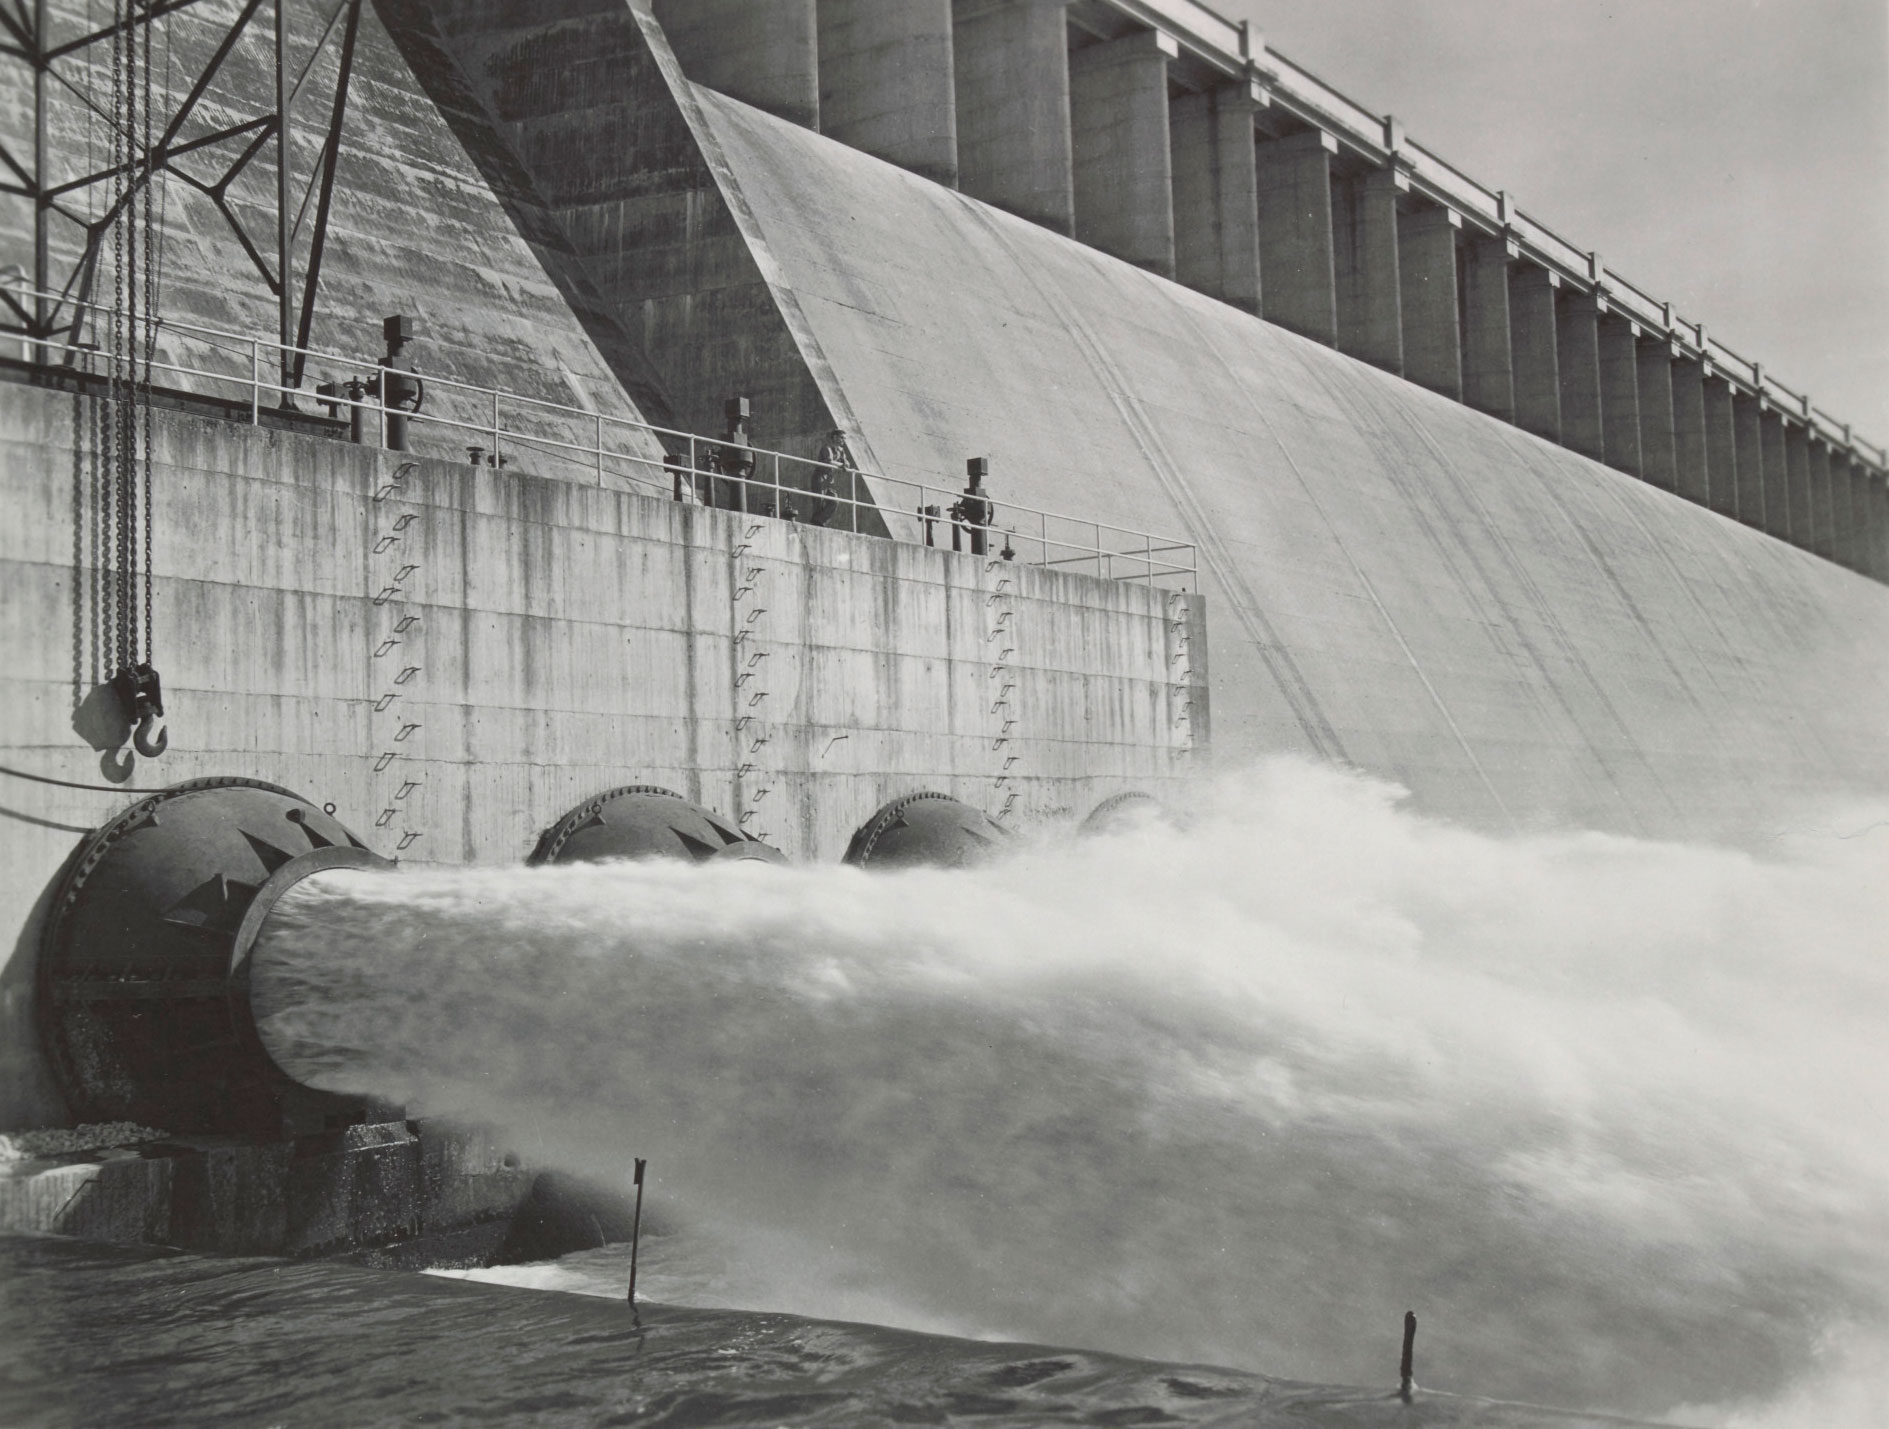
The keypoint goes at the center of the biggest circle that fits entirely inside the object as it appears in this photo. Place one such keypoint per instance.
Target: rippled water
(96, 1335)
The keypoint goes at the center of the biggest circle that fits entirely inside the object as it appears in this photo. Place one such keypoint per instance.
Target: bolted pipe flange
(142, 975)
(926, 829)
(1122, 811)
(645, 821)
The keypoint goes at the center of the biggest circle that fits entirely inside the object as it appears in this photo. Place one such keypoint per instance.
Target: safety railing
(490, 427)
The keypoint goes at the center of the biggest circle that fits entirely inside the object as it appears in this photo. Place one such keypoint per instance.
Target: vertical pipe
(600, 450)
(285, 305)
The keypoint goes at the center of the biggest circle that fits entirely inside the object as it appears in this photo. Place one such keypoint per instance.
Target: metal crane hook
(141, 738)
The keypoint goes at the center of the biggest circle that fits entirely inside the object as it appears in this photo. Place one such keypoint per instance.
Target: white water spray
(1607, 1113)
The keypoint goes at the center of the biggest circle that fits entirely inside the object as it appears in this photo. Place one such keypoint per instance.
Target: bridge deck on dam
(1512, 630)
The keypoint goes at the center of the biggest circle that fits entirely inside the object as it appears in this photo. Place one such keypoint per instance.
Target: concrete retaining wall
(455, 657)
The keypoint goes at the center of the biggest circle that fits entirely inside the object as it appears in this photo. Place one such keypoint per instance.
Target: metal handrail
(668, 461)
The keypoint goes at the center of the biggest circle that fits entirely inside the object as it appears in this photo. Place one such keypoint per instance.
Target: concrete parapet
(762, 52)
(1011, 69)
(1488, 348)
(1365, 256)
(1653, 358)
(1577, 355)
(1120, 148)
(1776, 467)
(1620, 417)
(1216, 194)
(1427, 275)
(1535, 350)
(886, 82)
(1748, 453)
(1721, 448)
(1689, 441)
(1295, 234)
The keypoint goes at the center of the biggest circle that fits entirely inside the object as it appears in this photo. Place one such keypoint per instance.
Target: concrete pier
(1488, 368)
(1689, 440)
(1797, 500)
(1577, 354)
(1822, 539)
(1295, 234)
(1620, 394)
(1843, 544)
(1011, 70)
(1658, 458)
(1216, 194)
(1721, 448)
(1428, 291)
(1748, 442)
(1120, 150)
(1365, 262)
(1776, 467)
(1534, 350)
(764, 52)
(886, 82)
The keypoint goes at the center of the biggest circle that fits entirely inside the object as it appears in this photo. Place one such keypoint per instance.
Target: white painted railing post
(255, 383)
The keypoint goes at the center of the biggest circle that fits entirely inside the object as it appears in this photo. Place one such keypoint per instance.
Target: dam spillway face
(142, 977)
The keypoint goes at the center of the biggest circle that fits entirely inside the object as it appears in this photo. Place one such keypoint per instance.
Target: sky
(1730, 156)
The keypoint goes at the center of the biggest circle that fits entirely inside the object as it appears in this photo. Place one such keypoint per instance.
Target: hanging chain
(150, 315)
(121, 157)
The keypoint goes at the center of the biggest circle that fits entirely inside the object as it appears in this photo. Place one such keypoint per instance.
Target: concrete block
(1295, 234)
(1748, 456)
(1534, 352)
(1488, 365)
(231, 1199)
(1366, 260)
(1577, 354)
(887, 84)
(1216, 194)
(1653, 358)
(1120, 150)
(125, 1198)
(1427, 272)
(1689, 430)
(1620, 416)
(1011, 70)
(352, 1187)
(762, 52)
(1721, 448)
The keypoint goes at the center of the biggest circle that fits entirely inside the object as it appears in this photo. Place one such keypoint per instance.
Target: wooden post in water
(636, 1231)
(1406, 1378)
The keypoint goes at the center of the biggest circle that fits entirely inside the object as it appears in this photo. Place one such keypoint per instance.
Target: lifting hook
(143, 698)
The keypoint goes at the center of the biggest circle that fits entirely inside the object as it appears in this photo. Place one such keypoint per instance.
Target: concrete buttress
(1216, 193)
(1295, 234)
(1721, 448)
(1432, 311)
(1689, 456)
(886, 82)
(1797, 485)
(764, 52)
(1748, 435)
(1822, 535)
(1488, 366)
(1011, 68)
(1620, 394)
(1577, 352)
(1658, 462)
(1365, 264)
(1534, 352)
(1776, 468)
(1120, 148)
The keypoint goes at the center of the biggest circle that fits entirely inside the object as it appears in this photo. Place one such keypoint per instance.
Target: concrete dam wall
(455, 657)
